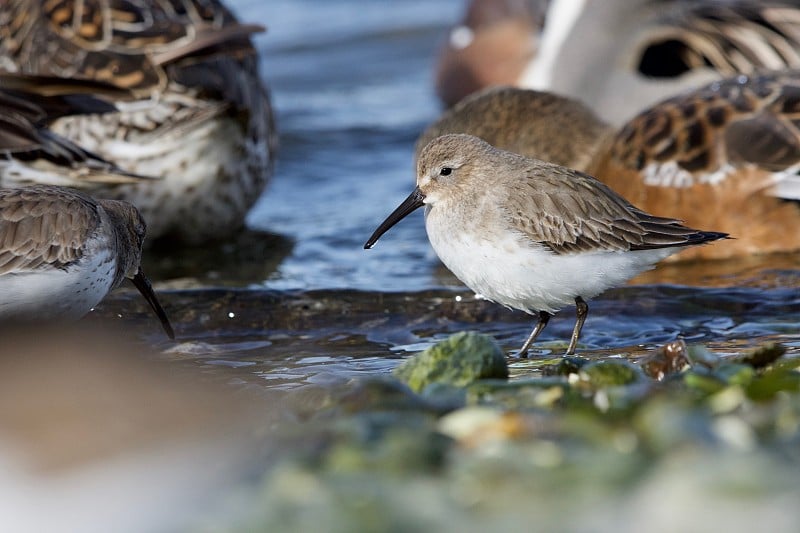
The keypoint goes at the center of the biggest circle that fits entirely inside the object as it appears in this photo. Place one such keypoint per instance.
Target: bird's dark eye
(445, 171)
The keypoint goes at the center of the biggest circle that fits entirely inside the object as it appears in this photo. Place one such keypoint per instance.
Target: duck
(621, 56)
(197, 116)
(725, 155)
(31, 153)
(491, 45)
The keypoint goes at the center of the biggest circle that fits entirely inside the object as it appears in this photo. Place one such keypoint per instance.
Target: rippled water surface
(304, 303)
(352, 85)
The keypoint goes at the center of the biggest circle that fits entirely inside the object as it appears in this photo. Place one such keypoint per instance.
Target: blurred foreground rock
(585, 446)
(96, 434)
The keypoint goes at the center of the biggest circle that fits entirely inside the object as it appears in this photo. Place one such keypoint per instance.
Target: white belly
(56, 294)
(503, 268)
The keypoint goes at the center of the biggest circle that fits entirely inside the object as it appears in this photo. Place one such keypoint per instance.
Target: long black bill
(144, 286)
(414, 201)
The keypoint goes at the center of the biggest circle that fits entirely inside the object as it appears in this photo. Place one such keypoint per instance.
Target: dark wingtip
(708, 236)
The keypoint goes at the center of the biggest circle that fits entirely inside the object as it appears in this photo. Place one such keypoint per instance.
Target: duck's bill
(146, 289)
(414, 201)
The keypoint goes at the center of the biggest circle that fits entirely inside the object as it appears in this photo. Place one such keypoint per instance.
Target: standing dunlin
(61, 252)
(724, 155)
(532, 235)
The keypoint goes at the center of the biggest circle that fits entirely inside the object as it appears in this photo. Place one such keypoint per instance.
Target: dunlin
(200, 116)
(722, 156)
(532, 235)
(62, 251)
(619, 56)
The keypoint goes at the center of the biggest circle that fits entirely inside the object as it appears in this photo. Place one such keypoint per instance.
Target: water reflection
(246, 260)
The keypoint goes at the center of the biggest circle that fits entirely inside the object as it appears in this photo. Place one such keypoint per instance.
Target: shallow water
(285, 339)
(351, 99)
(303, 303)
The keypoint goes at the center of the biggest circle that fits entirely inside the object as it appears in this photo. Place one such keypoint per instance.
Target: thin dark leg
(544, 318)
(581, 310)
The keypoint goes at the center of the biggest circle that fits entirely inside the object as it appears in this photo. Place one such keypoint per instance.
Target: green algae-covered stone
(459, 360)
(782, 376)
(519, 394)
(564, 366)
(713, 381)
(703, 382)
(763, 356)
(609, 373)
(735, 374)
(700, 355)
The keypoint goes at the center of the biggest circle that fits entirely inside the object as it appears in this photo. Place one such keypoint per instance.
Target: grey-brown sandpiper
(62, 251)
(532, 235)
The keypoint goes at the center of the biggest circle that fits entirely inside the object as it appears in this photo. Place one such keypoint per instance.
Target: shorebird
(724, 156)
(532, 235)
(199, 116)
(619, 56)
(61, 252)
